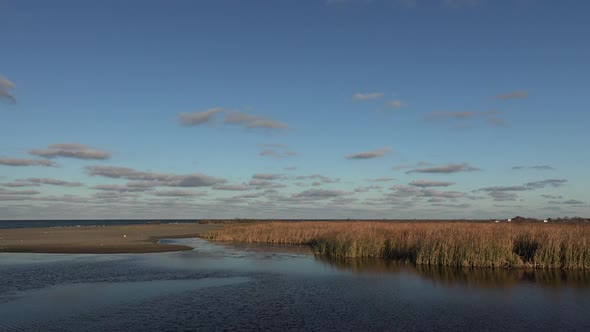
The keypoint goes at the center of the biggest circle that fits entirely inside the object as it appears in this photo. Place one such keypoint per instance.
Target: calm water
(225, 288)
(7, 224)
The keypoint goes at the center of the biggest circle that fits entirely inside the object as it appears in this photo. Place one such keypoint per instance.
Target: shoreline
(119, 239)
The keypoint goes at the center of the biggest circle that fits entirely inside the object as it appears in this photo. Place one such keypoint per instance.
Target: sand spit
(100, 239)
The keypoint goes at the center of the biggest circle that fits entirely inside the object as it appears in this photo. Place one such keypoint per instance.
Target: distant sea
(7, 224)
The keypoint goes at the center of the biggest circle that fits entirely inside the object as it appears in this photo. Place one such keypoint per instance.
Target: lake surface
(234, 288)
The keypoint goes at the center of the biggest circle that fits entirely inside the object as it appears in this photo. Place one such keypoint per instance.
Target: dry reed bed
(433, 243)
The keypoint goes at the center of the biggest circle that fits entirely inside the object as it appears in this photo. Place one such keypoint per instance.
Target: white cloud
(159, 179)
(430, 183)
(396, 104)
(265, 184)
(522, 94)
(322, 178)
(382, 179)
(367, 96)
(26, 162)
(369, 154)
(53, 182)
(449, 168)
(5, 93)
(232, 187)
(179, 193)
(321, 194)
(254, 121)
(197, 118)
(267, 176)
(71, 150)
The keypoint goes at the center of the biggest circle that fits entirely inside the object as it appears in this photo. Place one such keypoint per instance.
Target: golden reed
(466, 244)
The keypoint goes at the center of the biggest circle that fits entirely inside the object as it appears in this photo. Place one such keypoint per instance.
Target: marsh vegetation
(458, 244)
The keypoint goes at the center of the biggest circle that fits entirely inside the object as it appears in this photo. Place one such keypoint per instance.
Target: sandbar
(100, 239)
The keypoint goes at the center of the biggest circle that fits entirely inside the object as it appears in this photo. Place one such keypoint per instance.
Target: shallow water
(223, 287)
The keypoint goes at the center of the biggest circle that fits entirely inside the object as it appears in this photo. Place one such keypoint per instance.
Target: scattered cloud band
(71, 150)
(197, 118)
(445, 169)
(26, 162)
(369, 154)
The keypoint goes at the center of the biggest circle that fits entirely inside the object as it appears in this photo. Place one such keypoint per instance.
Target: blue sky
(294, 109)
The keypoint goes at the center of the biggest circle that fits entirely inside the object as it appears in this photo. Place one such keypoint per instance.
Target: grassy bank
(434, 243)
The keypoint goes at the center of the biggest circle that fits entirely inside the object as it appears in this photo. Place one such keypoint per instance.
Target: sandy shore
(100, 239)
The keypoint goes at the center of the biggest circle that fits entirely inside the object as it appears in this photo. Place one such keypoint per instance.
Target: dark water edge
(10, 224)
(466, 277)
(278, 288)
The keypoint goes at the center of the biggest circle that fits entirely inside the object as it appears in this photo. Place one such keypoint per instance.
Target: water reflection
(239, 258)
(271, 248)
(470, 277)
(225, 249)
(299, 258)
(277, 288)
